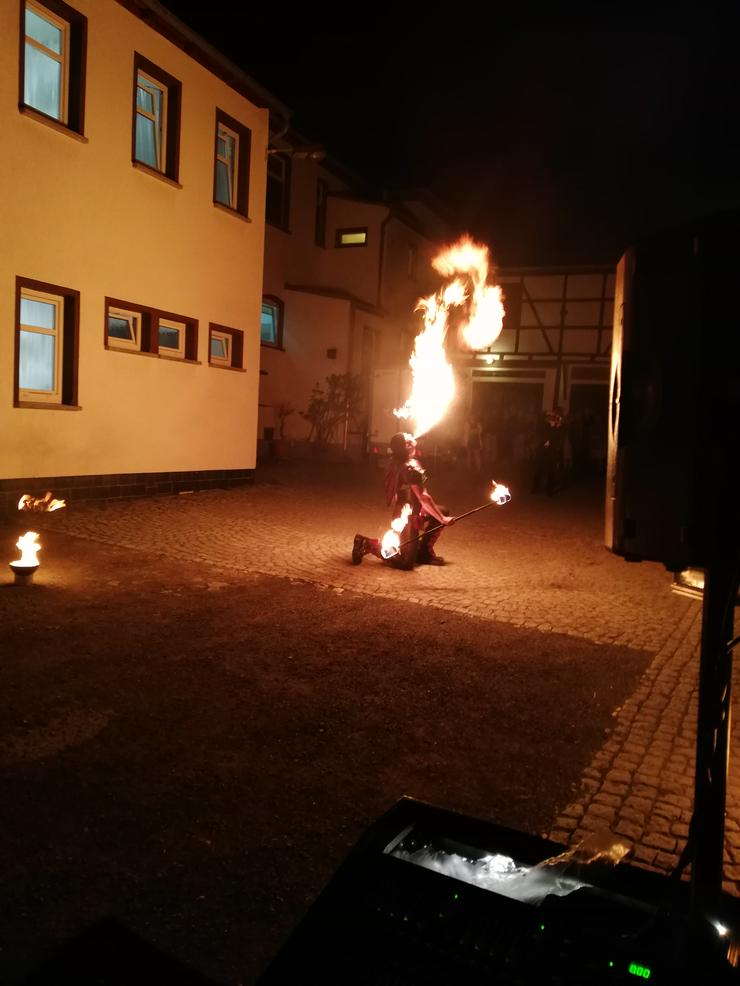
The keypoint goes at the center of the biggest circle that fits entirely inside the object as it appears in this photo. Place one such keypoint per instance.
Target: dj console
(410, 907)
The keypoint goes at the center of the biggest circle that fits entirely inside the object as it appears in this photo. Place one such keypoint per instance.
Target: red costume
(405, 483)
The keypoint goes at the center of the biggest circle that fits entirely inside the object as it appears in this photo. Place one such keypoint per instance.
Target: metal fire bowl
(23, 573)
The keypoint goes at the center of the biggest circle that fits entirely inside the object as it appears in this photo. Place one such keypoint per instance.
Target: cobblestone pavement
(537, 562)
(640, 783)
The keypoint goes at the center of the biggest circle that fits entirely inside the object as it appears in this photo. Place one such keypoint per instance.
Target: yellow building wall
(78, 214)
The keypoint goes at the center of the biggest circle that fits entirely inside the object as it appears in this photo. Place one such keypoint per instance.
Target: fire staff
(417, 519)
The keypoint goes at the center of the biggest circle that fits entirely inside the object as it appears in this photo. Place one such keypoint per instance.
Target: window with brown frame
(231, 164)
(355, 236)
(156, 118)
(225, 346)
(141, 329)
(53, 40)
(46, 344)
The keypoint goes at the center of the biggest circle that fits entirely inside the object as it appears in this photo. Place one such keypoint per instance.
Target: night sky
(559, 134)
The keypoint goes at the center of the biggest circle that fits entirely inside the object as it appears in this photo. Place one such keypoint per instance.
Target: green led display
(639, 970)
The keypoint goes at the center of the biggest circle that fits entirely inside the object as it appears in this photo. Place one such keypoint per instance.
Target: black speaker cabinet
(673, 404)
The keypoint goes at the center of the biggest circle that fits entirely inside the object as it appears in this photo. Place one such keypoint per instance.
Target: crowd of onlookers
(549, 449)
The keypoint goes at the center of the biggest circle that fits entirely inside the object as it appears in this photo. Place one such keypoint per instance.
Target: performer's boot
(427, 555)
(358, 549)
(365, 546)
(430, 557)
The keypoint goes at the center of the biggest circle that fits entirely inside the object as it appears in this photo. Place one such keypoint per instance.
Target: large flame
(433, 383)
(465, 266)
(391, 543)
(45, 503)
(29, 548)
(485, 314)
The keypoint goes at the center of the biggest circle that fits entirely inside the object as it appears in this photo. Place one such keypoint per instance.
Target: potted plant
(330, 411)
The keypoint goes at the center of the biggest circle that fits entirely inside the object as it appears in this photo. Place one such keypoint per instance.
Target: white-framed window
(137, 328)
(271, 322)
(46, 337)
(220, 348)
(156, 118)
(46, 61)
(53, 52)
(123, 329)
(225, 346)
(231, 163)
(227, 154)
(40, 339)
(151, 121)
(172, 338)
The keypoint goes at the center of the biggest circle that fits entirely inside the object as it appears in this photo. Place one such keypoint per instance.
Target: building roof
(338, 294)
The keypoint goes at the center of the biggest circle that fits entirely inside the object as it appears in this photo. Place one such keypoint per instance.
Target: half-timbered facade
(553, 351)
(555, 346)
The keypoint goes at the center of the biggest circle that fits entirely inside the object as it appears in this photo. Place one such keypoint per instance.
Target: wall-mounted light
(491, 358)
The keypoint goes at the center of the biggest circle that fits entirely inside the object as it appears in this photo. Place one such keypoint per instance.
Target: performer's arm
(430, 507)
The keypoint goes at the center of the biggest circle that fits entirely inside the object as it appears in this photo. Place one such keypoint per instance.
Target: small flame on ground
(44, 504)
(29, 548)
(391, 542)
(500, 494)
(433, 383)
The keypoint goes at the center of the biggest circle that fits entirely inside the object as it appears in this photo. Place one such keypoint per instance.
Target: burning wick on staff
(24, 568)
(499, 494)
(391, 544)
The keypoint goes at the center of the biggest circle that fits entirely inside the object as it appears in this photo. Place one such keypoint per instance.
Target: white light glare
(721, 929)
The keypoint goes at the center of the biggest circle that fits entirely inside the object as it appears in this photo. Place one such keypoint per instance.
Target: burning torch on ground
(24, 567)
(499, 496)
(40, 504)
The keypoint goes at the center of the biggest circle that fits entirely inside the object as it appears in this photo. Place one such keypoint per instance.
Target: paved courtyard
(537, 562)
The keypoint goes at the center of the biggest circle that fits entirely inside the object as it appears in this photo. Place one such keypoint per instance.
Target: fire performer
(407, 495)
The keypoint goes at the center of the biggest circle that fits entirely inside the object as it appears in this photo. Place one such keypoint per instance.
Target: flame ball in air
(465, 267)
(29, 548)
(485, 308)
(40, 504)
(500, 494)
